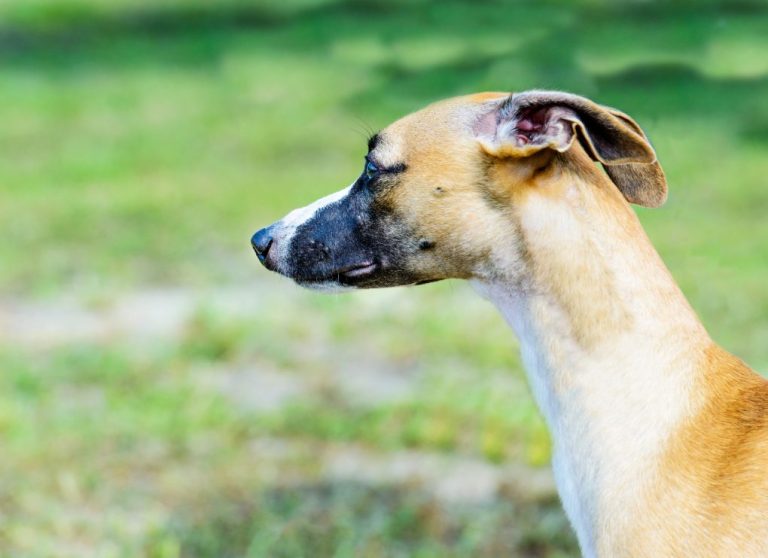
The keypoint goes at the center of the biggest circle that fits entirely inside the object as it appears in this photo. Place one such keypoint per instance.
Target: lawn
(162, 395)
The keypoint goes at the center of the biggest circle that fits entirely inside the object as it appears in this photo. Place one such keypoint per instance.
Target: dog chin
(329, 287)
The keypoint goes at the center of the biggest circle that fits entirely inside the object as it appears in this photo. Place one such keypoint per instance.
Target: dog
(660, 437)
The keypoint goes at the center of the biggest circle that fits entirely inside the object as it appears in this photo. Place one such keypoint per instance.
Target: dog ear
(531, 121)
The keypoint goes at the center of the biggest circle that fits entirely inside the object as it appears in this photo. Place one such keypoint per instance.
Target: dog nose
(261, 242)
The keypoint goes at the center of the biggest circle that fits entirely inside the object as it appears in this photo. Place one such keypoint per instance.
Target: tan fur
(556, 229)
(715, 470)
(576, 276)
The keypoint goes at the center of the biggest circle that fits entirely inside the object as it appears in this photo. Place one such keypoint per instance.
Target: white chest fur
(609, 409)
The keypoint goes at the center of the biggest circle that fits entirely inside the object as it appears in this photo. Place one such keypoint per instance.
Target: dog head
(441, 189)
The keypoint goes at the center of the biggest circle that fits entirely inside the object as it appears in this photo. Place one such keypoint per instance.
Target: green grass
(378, 522)
(90, 428)
(142, 144)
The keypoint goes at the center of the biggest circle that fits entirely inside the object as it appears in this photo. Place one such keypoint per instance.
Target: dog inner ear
(528, 122)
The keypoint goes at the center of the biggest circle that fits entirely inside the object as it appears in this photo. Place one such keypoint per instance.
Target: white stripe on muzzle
(285, 228)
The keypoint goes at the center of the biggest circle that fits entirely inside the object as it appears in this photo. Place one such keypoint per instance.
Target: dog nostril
(261, 242)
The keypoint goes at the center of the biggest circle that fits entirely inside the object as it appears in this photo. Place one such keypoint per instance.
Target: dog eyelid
(392, 169)
(395, 169)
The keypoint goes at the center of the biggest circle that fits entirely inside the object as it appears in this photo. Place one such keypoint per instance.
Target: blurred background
(162, 395)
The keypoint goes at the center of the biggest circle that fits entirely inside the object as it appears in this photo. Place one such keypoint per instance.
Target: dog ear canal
(531, 121)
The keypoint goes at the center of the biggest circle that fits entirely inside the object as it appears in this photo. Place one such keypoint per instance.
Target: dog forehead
(441, 126)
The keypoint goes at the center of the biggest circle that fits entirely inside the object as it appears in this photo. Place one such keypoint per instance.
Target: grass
(386, 522)
(129, 480)
(142, 144)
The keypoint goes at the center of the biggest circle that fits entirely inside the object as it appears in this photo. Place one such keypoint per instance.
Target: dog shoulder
(716, 465)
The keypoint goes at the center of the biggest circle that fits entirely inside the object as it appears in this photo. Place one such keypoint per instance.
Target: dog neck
(609, 343)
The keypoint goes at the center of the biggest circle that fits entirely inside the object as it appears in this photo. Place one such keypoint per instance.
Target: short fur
(660, 436)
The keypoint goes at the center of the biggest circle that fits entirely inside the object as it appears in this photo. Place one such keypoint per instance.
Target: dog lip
(359, 270)
(353, 274)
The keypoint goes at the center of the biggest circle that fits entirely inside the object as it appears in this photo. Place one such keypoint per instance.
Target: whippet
(660, 436)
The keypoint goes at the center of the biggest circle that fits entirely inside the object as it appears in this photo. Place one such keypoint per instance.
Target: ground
(162, 395)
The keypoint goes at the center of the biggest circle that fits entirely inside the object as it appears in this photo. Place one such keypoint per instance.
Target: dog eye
(371, 170)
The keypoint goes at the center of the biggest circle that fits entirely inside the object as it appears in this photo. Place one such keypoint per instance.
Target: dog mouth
(359, 274)
(368, 273)
(358, 270)
(349, 275)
